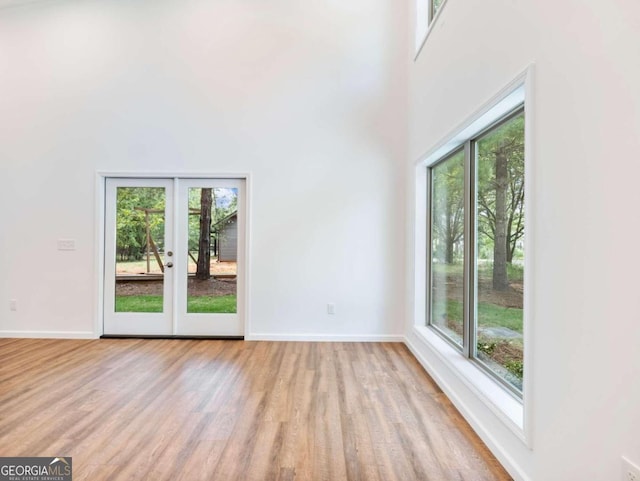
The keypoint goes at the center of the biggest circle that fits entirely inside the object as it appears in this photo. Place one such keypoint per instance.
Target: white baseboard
(49, 334)
(324, 337)
(252, 337)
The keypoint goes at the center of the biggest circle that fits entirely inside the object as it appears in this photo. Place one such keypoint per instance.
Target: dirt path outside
(212, 287)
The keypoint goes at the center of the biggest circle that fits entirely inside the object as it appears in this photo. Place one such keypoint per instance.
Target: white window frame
(470, 335)
(425, 21)
(513, 412)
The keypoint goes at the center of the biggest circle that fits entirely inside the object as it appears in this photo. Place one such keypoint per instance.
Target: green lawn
(489, 315)
(225, 304)
(200, 304)
(515, 272)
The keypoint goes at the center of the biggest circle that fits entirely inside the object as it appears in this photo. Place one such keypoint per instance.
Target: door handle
(169, 264)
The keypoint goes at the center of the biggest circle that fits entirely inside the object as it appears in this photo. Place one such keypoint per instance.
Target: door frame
(100, 217)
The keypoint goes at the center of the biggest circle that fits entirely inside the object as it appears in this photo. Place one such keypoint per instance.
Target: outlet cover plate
(66, 244)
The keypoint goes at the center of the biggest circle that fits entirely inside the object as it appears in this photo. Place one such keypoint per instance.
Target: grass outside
(503, 356)
(489, 315)
(515, 272)
(200, 304)
(498, 354)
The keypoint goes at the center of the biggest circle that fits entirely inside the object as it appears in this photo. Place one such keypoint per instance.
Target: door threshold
(163, 336)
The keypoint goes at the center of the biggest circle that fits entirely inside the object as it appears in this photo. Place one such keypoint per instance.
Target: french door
(174, 257)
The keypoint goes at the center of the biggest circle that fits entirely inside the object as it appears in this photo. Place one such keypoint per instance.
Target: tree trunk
(203, 270)
(500, 280)
(448, 236)
(510, 250)
(449, 252)
(214, 220)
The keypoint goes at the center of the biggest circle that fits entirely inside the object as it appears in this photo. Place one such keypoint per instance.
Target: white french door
(210, 306)
(139, 274)
(174, 257)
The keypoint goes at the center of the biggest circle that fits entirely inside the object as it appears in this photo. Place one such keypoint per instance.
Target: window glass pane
(140, 213)
(436, 6)
(447, 247)
(213, 249)
(499, 251)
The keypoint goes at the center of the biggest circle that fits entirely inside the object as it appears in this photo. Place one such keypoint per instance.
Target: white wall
(584, 218)
(307, 97)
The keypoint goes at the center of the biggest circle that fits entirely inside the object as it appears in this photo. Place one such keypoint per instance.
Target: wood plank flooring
(155, 410)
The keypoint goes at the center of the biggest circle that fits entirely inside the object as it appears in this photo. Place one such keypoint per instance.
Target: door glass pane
(447, 247)
(213, 250)
(140, 217)
(500, 249)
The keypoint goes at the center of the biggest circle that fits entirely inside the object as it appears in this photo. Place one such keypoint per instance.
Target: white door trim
(99, 242)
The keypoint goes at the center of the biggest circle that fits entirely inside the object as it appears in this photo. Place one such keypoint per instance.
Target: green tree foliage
(500, 200)
(448, 208)
(131, 236)
(500, 197)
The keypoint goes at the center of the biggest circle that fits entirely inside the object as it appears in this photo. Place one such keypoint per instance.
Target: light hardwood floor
(230, 410)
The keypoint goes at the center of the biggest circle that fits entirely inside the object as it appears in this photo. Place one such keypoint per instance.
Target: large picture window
(476, 249)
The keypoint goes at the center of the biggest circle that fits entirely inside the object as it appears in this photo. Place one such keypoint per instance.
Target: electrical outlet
(630, 472)
(66, 244)
(331, 309)
(13, 305)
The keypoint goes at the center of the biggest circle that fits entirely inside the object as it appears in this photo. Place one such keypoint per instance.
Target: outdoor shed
(227, 231)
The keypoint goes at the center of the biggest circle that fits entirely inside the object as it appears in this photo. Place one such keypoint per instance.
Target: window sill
(503, 404)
